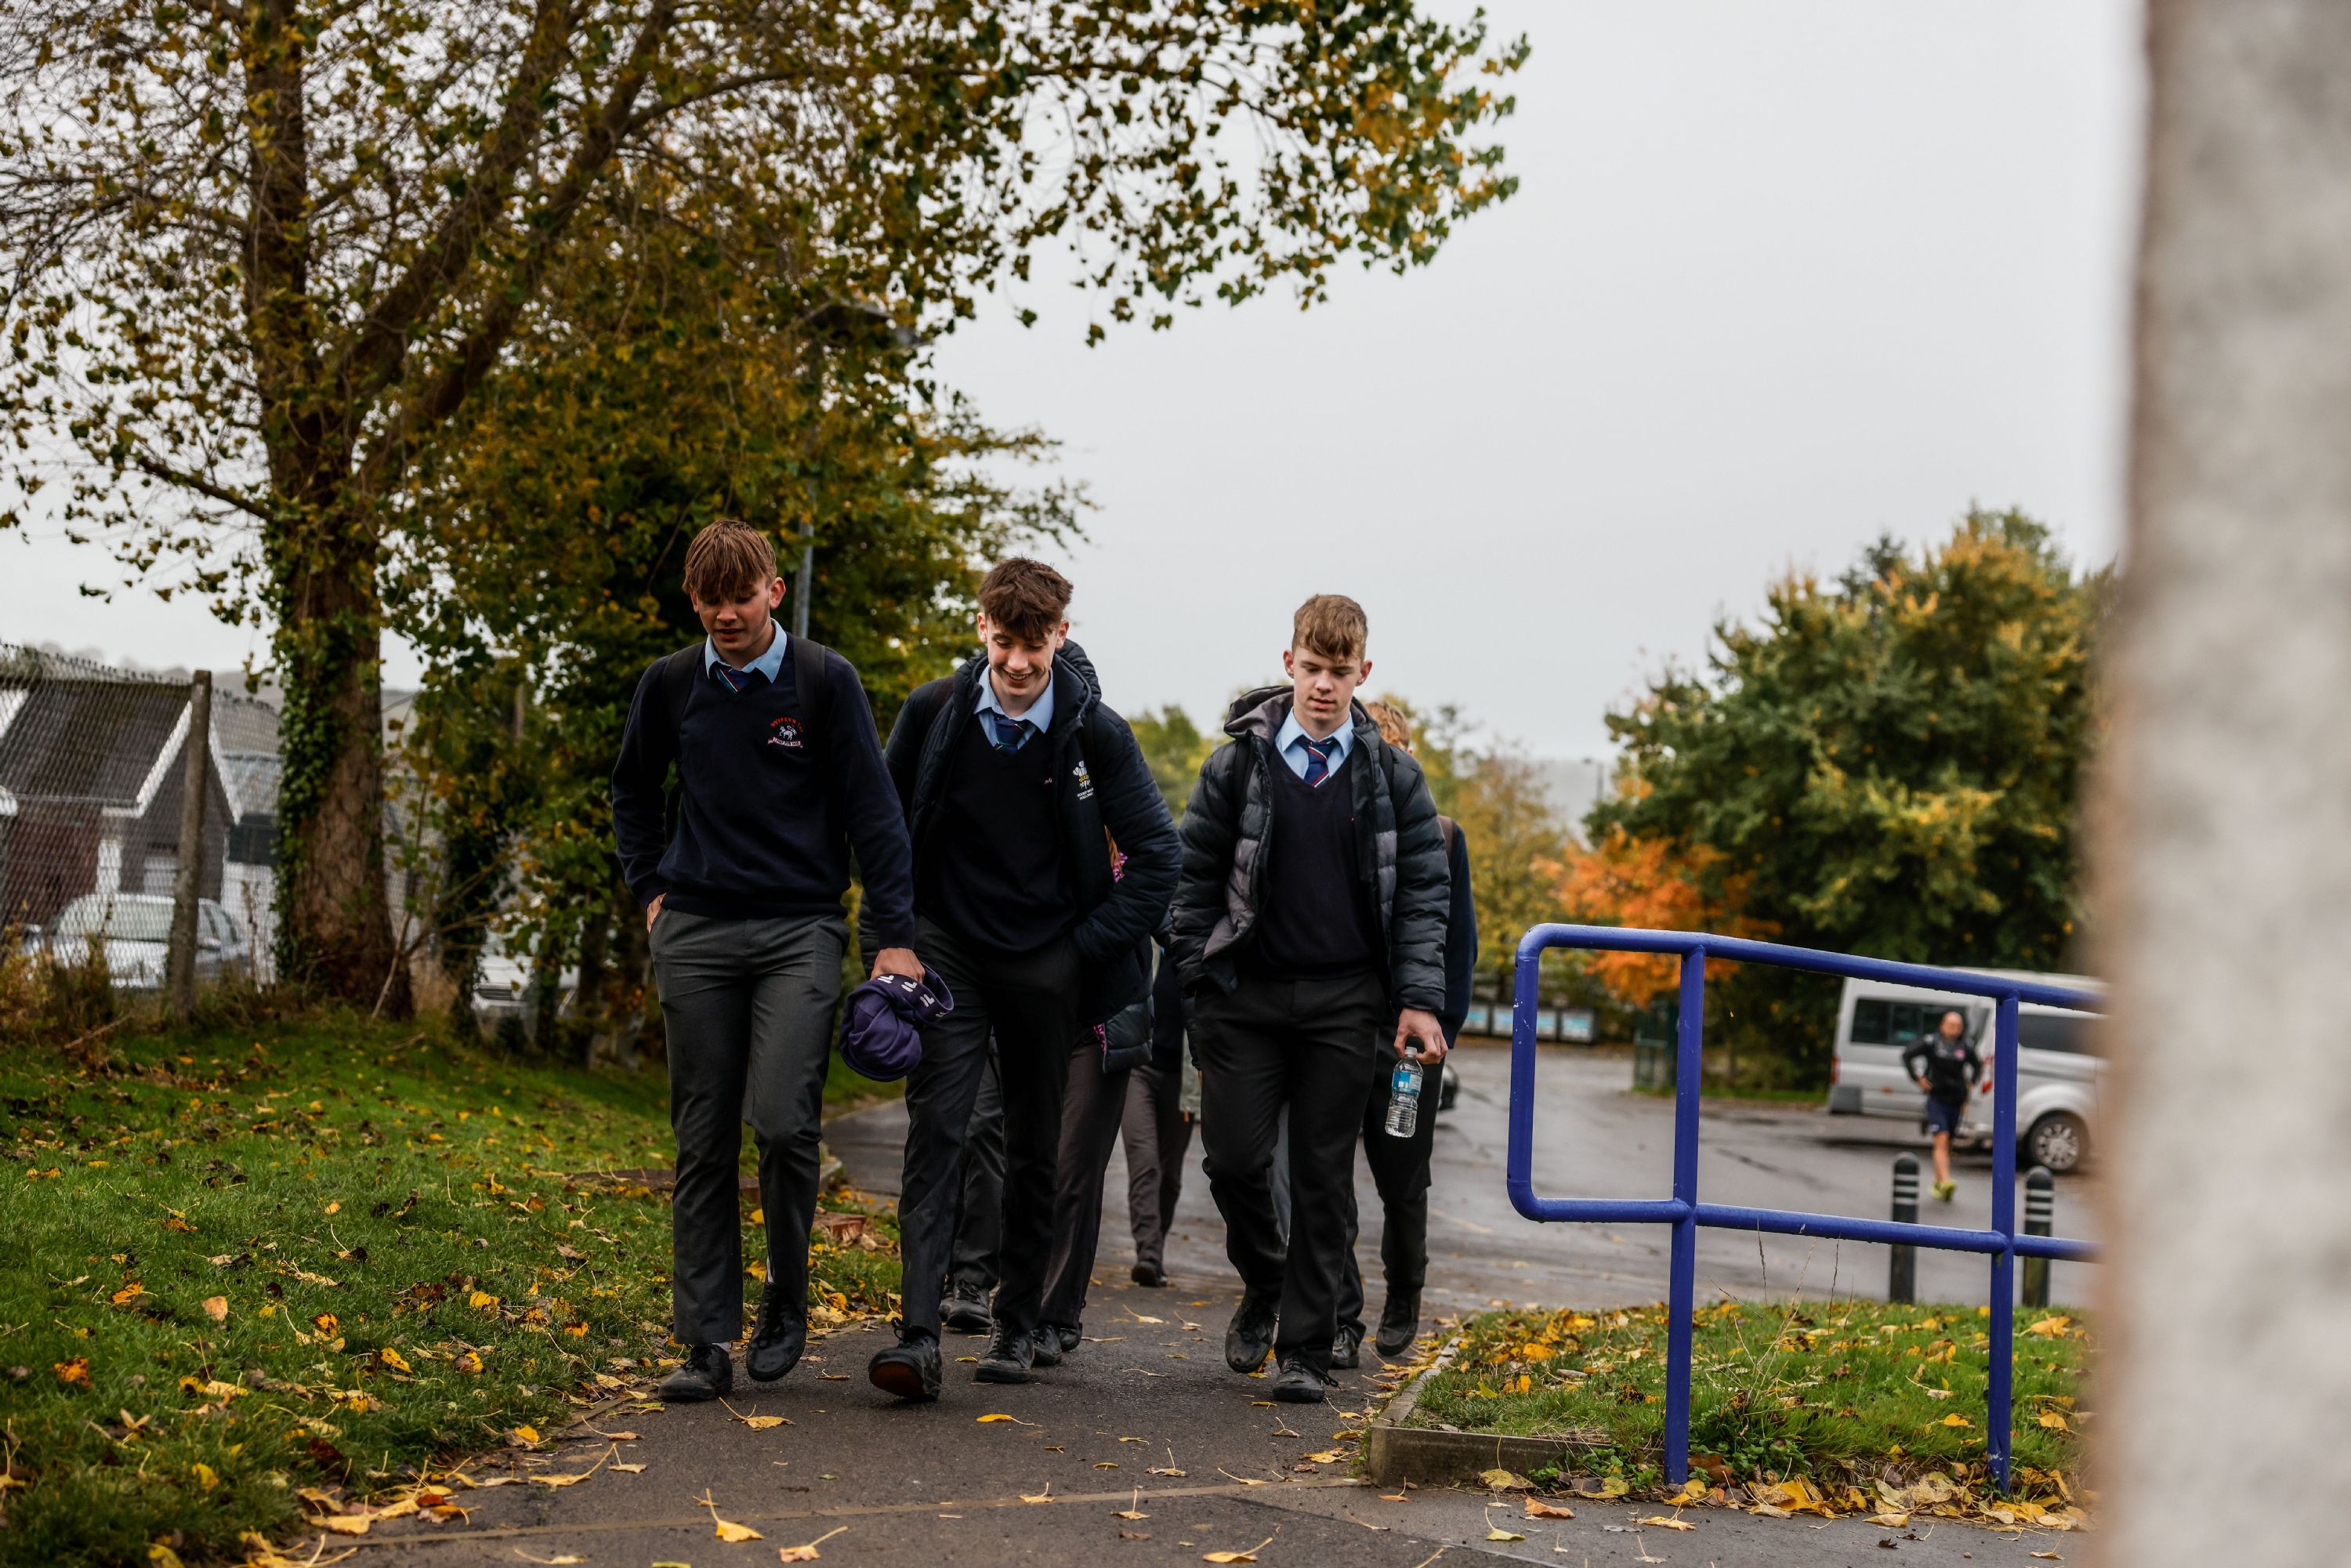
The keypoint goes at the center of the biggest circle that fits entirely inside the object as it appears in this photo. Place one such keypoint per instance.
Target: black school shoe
(1399, 1325)
(1009, 1356)
(1248, 1338)
(909, 1369)
(1299, 1384)
(1051, 1342)
(707, 1374)
(1146, 1272)
(1343, 1348)
(782, 1334)
(964, 1310)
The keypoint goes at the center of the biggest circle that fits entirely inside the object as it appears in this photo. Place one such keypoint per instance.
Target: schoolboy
(1010, 771)
(1310, 916)
(780, 774)
(1399, 1166)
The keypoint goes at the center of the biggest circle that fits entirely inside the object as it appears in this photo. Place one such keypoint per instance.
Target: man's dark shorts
(1943, 1116)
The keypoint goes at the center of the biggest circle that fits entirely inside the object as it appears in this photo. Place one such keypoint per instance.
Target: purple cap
(882, 1027)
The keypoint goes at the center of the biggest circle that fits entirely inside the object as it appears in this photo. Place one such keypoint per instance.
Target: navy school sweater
(767, 812)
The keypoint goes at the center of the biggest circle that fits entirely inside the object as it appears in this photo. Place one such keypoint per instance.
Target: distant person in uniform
(1944, 1064)
(1400, 1166)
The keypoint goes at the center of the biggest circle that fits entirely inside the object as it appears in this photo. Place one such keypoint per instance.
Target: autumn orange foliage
(1649, 884)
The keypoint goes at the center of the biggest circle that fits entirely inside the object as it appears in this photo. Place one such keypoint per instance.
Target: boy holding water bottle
(1311, 913)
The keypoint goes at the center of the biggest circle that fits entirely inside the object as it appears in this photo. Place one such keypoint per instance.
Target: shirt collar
(1293, 734)
(769, 663)
(1039, 716)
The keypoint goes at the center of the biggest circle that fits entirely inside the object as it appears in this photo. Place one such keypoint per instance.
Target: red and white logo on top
(784, 732)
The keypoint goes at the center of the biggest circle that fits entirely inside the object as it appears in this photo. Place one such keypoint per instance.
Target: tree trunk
(334, 922)
(592, 1006)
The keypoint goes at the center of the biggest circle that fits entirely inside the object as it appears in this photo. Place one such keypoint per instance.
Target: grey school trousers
(747, 1009)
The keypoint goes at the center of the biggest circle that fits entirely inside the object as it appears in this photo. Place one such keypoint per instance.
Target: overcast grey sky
(1779, 276)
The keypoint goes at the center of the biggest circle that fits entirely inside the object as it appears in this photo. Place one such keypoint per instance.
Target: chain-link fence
(97, 822)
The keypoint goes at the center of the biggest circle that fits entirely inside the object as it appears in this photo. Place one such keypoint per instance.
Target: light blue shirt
(1289, 743)
(769, 663)
(1039, 716)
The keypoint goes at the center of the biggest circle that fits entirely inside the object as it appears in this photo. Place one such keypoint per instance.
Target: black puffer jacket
(1102, 782)
(1227, 833)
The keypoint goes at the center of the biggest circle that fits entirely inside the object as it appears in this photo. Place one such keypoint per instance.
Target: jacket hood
(1077, 690)
(1262, 712)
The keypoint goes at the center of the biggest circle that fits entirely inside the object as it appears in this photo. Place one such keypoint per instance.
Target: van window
(1890, 1023)
(2067, 1033)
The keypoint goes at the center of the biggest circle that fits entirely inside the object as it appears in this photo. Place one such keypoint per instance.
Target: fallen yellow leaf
(1661, 1523)
(217, 1308)
(806, 1551)
(2055, 1421)
(2049, 1328)
(346, 1523)
(129, 1293)
(1891, 1521)
(1496, 1532)
(481, 1299)
(573, 1480)
(1248, 1556)
(392, 1358)
(1538, 1508)
(727, 1529)
(206, 1476)
(1327, 1457)
(335, 1206)
(1045, 1496)
(2049, 1557)
(996, 1415)
(1955, 1420)
(1499, 1479)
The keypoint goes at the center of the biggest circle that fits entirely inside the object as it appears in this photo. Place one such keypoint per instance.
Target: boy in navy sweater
(779, 776)
(1010, 772)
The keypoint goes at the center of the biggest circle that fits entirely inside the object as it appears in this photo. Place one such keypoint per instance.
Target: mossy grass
(1840, 1392)
(316, 1252)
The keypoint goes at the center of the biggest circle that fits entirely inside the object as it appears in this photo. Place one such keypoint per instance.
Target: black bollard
(2040, 1219)
(1902, 1272)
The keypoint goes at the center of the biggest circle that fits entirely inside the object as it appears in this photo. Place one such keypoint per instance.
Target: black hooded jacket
(1102, 784)
(1228, 829)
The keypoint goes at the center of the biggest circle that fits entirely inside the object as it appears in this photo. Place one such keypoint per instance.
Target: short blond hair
(1393, 728)
(1331, 624)
(728, 560)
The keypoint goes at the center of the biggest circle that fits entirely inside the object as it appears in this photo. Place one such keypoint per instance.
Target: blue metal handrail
(1685, 1213)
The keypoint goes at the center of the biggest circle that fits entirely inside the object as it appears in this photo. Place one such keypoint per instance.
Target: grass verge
(1856, 1402)
(323, 1254)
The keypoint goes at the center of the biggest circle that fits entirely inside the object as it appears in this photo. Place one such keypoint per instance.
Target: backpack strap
(809, 685)
(675, 685)
(1448, 830)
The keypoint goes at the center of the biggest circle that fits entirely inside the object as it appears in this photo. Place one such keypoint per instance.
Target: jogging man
(1310, 916)
(1944, 1064)
(780, 773)
(1010, 770)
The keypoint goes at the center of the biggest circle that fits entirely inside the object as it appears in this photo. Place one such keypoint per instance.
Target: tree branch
(156, 467)
(374, 355)
(448, 390)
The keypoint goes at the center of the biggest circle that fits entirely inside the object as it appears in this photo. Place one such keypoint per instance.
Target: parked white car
(2057, 1075)
(133, 934)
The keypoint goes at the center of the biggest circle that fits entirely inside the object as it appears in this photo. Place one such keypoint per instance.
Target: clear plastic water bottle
(1404, 1097)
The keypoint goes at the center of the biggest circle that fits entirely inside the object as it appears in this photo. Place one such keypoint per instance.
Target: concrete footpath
(1142, 1421)
(1146, 1420)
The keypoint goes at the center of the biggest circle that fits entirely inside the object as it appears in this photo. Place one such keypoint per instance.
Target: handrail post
(1682, 1287)
(1519, 1161)
(1998, 1415)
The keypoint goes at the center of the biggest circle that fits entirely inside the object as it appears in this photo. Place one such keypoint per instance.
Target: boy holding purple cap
(1012, 772)
(780, 773)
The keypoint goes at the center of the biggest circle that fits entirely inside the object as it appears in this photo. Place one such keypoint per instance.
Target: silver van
(2057, 1075)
